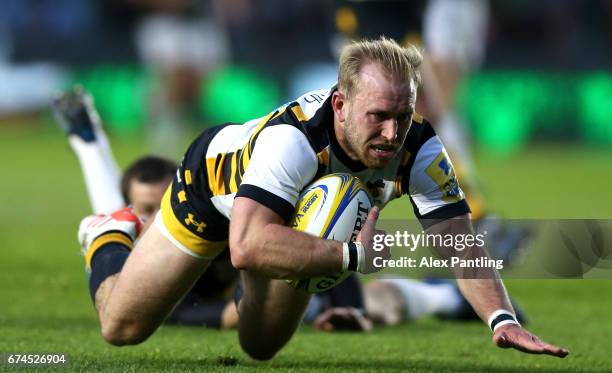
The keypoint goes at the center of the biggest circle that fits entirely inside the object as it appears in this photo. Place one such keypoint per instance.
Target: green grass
(45, 307)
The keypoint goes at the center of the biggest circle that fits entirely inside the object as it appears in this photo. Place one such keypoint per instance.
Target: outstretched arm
(485, 291)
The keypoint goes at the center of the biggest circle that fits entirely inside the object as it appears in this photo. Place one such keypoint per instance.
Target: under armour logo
(190, 220)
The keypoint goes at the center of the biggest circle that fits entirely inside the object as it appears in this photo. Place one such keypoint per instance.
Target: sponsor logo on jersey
(441, 171)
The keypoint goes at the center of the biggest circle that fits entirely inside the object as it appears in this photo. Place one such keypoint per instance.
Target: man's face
(146, 198)
(372, 125)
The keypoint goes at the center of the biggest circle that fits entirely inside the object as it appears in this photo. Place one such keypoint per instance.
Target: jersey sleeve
(433, 187)
(282, 164)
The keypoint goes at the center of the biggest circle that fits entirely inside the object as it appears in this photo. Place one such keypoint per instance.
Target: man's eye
(379, 117)
(404, 118)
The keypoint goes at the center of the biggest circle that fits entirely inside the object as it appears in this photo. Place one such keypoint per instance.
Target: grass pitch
(45, 307)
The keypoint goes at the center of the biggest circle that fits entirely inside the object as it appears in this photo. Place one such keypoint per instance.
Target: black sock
(107, 261)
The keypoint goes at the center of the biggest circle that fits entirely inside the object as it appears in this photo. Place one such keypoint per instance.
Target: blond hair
(401, 62)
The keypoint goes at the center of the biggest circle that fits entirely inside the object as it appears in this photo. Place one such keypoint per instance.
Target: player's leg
(210, 302)
(270, 312)
(167, 260)
(217, 313)
(101, 292)
(75, 112)
(391, 301)
(156, 275)
(141, 287)
(195, 309)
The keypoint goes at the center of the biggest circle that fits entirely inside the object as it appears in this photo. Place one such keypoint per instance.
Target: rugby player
(210, 302)
(238, 184)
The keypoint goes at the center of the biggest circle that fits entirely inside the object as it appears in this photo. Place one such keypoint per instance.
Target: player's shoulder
(284, 133)
(303, 110)
(286, 142)
(310, 113)
(420, 132)
(311, 101)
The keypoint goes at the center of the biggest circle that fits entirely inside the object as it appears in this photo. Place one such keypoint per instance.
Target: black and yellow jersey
(272, 158)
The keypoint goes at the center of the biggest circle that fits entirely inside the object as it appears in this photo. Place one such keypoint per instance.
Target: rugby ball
(333, 207)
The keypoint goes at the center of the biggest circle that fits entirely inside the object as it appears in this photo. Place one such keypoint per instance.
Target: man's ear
(338, 103)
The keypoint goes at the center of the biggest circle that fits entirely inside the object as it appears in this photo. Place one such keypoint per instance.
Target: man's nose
(389, 129)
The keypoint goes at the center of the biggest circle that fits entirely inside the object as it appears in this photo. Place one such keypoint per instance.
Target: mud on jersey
(271, 159)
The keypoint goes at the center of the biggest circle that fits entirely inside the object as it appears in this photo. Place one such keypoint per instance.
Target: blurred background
(510, 85)
(531, 72)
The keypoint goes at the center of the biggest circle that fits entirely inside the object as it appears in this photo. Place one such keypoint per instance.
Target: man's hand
(342, 318)
(512, 335)
(366, 237)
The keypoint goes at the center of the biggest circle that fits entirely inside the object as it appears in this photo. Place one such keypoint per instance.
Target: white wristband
(360, 257)
(501, 317)
(345, 256)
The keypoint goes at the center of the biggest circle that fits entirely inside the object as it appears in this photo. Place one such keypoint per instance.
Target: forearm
(485, 295)
(482, 287)
(280, 252)
(484, 290)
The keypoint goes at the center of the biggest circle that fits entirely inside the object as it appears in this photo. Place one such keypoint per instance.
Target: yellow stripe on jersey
(182, 196)
(230, 167)
(103, 240)
(244, 160)
(405, 157)
(398, 185)
(214, 167)
(417, 118)
(210, 171)
(299, 113)
(233, 186)
(188, 179)
(184, 236)
(221, 173)
(220, 161)
(323, 156)
(243, 156)
(251, 143)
